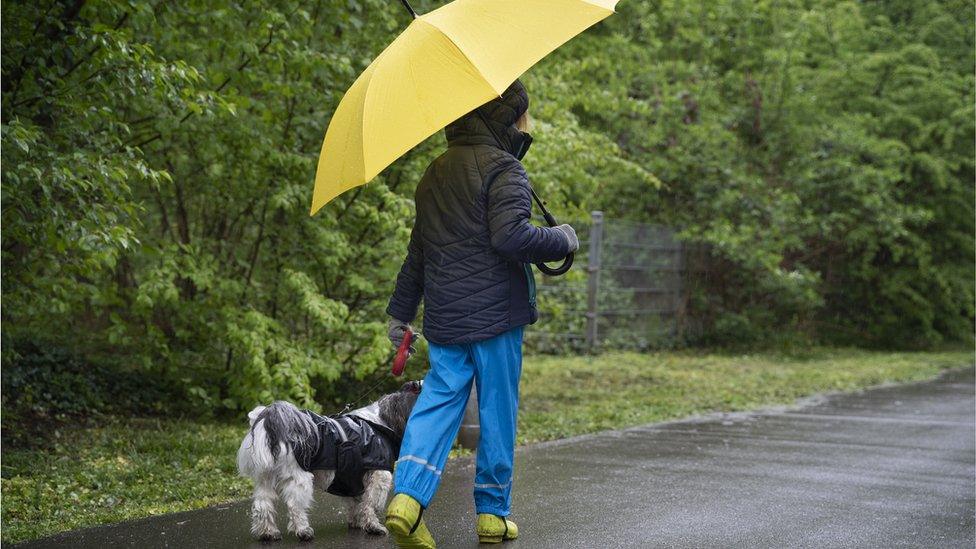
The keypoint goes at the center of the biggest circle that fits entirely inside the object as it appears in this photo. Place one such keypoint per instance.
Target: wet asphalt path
(889, 467)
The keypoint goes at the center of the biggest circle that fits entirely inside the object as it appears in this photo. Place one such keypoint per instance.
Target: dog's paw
(305, 534)
(270, 535)
(376, 529)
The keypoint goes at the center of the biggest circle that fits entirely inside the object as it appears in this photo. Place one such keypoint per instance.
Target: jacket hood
(501, 113)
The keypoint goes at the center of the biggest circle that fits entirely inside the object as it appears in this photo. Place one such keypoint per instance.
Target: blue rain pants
(496, 365)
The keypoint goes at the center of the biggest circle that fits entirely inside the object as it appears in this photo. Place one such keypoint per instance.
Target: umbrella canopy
(445, 64)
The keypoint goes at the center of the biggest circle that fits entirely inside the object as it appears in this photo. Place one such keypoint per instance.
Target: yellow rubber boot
(495, 529)
(403, 520)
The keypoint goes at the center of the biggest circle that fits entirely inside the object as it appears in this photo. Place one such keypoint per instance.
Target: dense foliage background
(158, 157)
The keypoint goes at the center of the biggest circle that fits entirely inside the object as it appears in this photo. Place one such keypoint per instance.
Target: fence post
(593, 270)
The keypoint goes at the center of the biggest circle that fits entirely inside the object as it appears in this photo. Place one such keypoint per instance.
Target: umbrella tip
(409, 8)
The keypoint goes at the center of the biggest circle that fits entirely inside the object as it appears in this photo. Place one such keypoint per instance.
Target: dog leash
(399, 359)
(349, 405)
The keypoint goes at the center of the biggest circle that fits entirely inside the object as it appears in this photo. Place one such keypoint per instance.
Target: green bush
(44, 386)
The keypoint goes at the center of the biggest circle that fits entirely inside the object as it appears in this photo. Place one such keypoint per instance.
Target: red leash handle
(403, 353)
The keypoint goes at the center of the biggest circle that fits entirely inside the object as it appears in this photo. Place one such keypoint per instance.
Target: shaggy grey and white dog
(288, 452)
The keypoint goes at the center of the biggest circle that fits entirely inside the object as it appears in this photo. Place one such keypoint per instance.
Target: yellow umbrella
(445, 64)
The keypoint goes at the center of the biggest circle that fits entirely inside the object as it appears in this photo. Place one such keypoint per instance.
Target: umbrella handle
(558, 271)
(551, 221)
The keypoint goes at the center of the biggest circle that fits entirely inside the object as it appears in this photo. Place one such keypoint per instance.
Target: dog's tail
(275, 430)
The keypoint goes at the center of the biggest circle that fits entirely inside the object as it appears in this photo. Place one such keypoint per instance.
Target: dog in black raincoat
(288, 452)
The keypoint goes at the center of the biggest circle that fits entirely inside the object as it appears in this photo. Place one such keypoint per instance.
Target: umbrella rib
(362, 129)
(366, 95)
(362, 121)
(462, 52)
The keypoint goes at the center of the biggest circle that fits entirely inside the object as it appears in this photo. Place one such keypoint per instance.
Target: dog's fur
(267, 456)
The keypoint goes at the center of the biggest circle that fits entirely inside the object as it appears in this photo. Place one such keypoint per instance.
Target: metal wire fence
(625, 291)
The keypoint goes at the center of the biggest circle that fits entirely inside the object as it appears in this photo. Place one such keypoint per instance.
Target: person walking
(469, 260)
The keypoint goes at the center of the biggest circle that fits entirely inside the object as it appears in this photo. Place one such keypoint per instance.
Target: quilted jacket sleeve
(509, 212)
(410, 282)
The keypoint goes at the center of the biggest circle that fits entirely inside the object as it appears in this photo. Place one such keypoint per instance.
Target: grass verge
(127, 468)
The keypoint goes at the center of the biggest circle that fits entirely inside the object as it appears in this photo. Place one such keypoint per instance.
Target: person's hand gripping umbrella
(445, 64)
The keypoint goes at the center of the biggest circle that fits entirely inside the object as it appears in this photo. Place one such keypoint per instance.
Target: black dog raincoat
(350, 444)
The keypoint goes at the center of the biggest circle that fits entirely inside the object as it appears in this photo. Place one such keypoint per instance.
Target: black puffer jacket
(472, 241)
